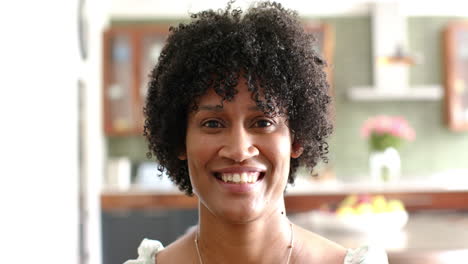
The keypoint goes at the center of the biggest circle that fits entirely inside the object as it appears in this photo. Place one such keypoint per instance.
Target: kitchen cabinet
(123, 230)
(130, 52)
(456, 75)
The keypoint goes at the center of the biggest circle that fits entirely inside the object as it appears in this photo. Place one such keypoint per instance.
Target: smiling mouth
(240, 178)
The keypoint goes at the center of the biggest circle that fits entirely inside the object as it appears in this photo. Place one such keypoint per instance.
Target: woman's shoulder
(317, 249)
(147, 252)
(366, 255)
(313, 248)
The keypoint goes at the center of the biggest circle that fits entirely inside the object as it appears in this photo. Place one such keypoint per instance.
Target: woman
(235, 104)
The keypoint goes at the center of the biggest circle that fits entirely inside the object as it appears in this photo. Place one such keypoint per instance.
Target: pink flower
(382, 124)
(396, 126)
(366, 129)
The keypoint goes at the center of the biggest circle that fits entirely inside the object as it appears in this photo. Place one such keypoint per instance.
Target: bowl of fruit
(361, 213)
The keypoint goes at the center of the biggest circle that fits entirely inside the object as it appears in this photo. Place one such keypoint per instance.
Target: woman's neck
(263, 240)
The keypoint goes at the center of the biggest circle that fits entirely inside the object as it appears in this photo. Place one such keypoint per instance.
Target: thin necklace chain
(290, 247)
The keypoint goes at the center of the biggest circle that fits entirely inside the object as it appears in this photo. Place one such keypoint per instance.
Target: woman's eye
(263, 123)
(212, 124)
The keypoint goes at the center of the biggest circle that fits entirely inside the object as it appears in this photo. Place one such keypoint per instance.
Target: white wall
(94, 143)
(38, 134)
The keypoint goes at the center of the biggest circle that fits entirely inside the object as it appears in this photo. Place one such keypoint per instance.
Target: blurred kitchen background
(77, 179)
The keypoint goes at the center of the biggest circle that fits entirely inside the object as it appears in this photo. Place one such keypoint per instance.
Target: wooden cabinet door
(456, 75)
(119, 80)
(130, 52)
(151, 42)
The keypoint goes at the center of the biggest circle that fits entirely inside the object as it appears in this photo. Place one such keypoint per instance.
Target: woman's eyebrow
(255, 108)
(215, 108)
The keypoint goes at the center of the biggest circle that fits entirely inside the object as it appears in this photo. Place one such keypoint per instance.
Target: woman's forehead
(241, 95)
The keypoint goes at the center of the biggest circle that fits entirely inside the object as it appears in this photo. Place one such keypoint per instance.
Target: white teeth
(244, 177)
(254, 177)
(236, 177)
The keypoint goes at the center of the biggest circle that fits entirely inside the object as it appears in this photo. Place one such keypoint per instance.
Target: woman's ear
(182, 153)
(296, 150)
(182, 156)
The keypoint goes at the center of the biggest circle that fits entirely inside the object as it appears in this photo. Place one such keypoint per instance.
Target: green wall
(435, 148)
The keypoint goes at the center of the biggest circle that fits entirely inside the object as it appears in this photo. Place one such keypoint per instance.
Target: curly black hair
(267, 46)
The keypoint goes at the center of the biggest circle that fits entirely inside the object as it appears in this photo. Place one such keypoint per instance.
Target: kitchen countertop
(430, 237)
(305, 196)
(306, 186)
(333, 186)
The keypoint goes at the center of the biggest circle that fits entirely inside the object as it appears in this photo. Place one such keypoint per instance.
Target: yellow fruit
(395, 205)
(350, 200)
(364, 208)
(345, 210)
(379, 204)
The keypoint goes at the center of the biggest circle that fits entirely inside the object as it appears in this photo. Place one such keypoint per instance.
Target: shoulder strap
(366, 255)
(147, 252)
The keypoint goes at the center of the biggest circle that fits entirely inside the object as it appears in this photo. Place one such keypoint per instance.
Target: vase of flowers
(386, 134)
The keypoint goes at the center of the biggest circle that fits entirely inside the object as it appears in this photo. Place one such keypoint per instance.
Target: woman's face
(238, 157)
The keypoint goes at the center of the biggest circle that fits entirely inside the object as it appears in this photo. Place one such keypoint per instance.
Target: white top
(148, 250)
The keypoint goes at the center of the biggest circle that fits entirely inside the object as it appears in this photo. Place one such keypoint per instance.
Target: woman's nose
(239, 146)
